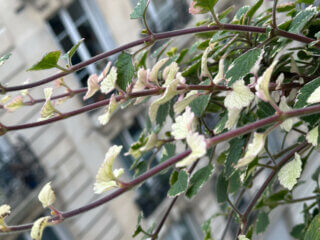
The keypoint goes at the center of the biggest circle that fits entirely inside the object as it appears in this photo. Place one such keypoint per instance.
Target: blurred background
(69, 153)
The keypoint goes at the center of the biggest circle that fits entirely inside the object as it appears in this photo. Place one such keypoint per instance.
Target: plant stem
(274, 14)
(155, 37)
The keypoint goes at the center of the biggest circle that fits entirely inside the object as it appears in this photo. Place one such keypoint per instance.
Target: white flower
(198, 146)
(254, 149)
(262, 86)
(184, 124)
(47, 196)
(239, 97)
(106, 177)
(93, 86)
(290, 172)
(113, 104)
(109, 82)
(38, 227)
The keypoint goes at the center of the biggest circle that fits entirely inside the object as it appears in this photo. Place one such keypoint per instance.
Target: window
(183, 229)
(165, 15)
(154, 190)
(20, 171)
(82, 19)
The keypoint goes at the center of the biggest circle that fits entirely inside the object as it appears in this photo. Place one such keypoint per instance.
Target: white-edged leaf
(287, 124)
(139, 9)
(155, 70)
(233, 117)
(14, 104)
(198, 146)
(312, 136)
(314, 97)
(184, 124)
(290, 172)
(47, 196)
(181, 105)
(113, 104)
(240, 96)
(38, 227)
(254, 149)
(109, 82)
(180, 185)
(93, 86)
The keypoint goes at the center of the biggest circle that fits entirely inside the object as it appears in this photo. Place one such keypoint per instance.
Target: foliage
(241, 70)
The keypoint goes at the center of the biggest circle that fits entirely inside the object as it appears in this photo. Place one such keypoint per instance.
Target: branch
(155, 37)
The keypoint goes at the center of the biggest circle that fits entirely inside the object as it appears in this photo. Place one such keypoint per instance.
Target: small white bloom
(46, 195)
(254, 149)
(198, 146)
(109, 82)
(290, 172)
(184, 124)
(239, 97)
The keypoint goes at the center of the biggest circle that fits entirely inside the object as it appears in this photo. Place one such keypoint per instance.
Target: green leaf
(234, 182)
(235, 152)
(222, 122)
(168, 151)
(198, 179)
(139, 9)
(181, 185)
(162, 113)
(138, 227)
(262, 222)
(4, 58)
(305, 92)
(315, 175)
(50, 60)
(298, 231)
(264, 110)
(199, 105)
(254, 8)
(301, 19)
(125, 70)
(240, 13)
(242, 65)
(173, 177)
(313, 229)
(72, 51)
(222, 187)
(207, 4)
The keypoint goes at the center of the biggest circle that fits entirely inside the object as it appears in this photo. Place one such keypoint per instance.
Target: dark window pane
(91, 40)
(75, 10)
(66, 44)
(56, 25)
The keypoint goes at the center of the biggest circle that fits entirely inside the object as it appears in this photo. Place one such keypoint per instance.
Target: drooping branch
(155, 37)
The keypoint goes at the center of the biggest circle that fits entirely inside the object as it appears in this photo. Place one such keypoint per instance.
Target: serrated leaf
(222, 189)
(242, 65)
(235, 152)
(163, 112)
(290, 172)
(301, 19)
(305, 92)
(181, 185)
(313, 229)
(184, 124)
(262, 222)
(298, 231)
(240, 96)
(139, 9)
(198, 179)
(199, 105)
(313, 136)
(125, 70)
(50, 60)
